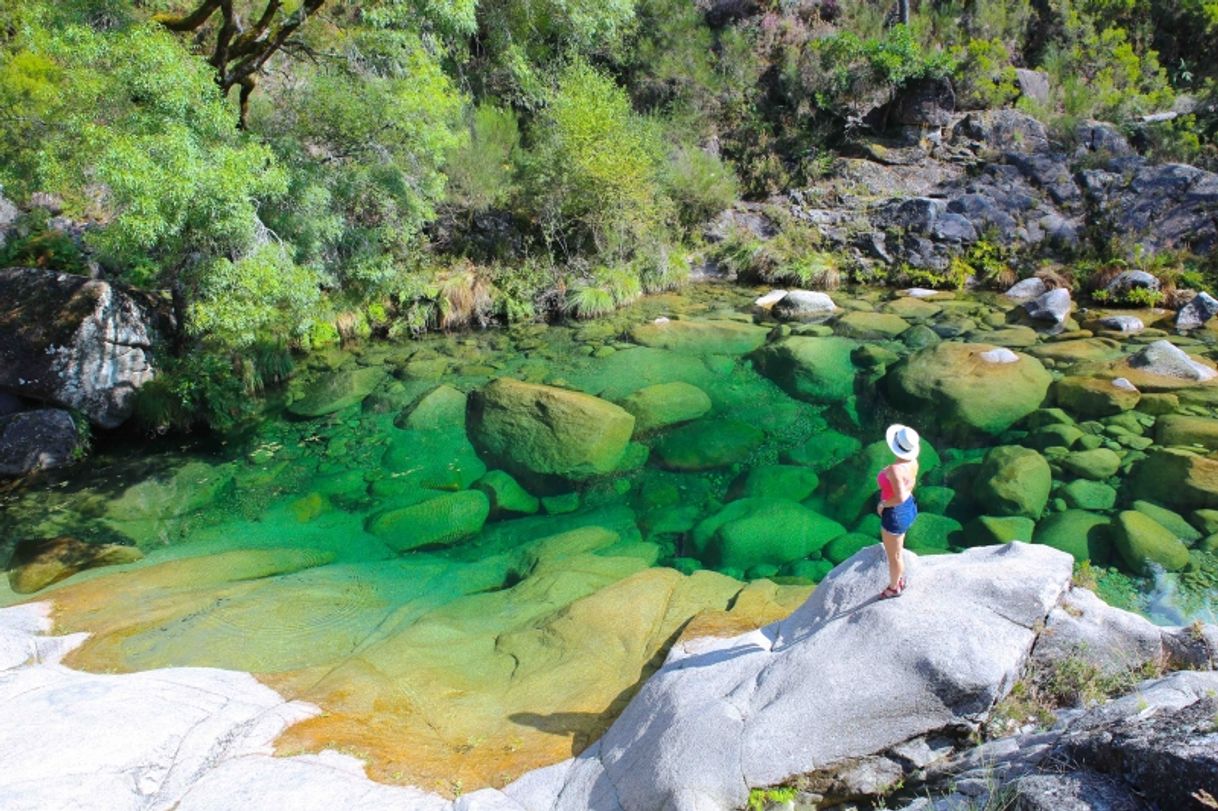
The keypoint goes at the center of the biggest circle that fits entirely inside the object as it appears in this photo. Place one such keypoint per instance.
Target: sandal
(889, 592)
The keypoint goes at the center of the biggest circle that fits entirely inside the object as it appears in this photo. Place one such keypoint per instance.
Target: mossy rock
(442, 520)
(1205, 520)
(708, 444)
(790, 482)
(337, 391)
(560, 504)
(934, 499)
(1182, 429)
(1085, 535)
(506, 495)
(818, 370)
(1013, 481)
(1042, 417)
(665, 404)
(1012, 337)
(913, 308)
(752, 531)
(933, 532)
(1173, 521)
(548, 431)
(844, 546)
(1090, 397)
(1082, 494)
(442, 407)
(1100, 463)
(813, 571)
(1080, 350)
(1145, 543)
(920, 336)
(986, 530)
(955, 386)
(1054, 436)
(37, 563)
(870, 326)
(1177, 478)
(701, 337)
(823, 451)
(435, 460)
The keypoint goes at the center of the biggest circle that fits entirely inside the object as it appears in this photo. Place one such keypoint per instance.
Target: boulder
(1164, 359)
(443, 520)
(1033, 85)
(987, 530)
(1197, 312)
(708, 444)
(1053, 307)
(766, 303)
(1099, 463)
(1082, 494)
(1127, 324)
(1145, 543)
(953, 384)
(1013, 481)
(712, 337)
(1177, 478)
(1090, 397)
(1127, 281)
(845, 546)
(442, 407)
(803, 305)
(76, 342)
(823, 451)
(851, 486)
(819, 370)
(790, 482)
(1183, 429)
(665, 404)
(38, 562)
(932, 533)
(864, 325)
(540, 430)
(505, 494)
(336, 391)
(698, 736)
(1082, 534)
(43, 439)
(755, 531)
(1169, 520)
(1027, 289)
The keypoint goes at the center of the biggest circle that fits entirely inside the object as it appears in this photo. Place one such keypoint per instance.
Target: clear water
(462, 665)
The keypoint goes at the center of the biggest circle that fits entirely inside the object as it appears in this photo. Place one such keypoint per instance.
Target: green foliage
(160, 165)
(201, 387)
(956, 275)
(259, 296)
(481, 169)
(594, 174)
(589, 300)
(762, 798)
(33, 242)
(700, 184)
(985, 76)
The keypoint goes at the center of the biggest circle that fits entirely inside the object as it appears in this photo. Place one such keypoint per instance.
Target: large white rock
(846, 675)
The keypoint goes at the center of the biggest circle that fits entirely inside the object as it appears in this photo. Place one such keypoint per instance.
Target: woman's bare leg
(894, 546)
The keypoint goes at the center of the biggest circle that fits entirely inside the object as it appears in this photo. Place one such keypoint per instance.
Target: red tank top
(887, 491)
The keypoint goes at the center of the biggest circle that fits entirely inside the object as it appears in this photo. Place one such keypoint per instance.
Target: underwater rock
(701, 337)
(1098, 463)
(337, 391)
(1177, 478)
(986, 530)
(851, 486)
(1143, 542)
(428, 460)
(1082, 494)
(1183, 429)
(665, 404)
(753, 531)
(819, 370)
(442, 407)
(708, 444)
(1078, 350)
(953, 383)
(1084, 535)
(548, 431)
(1013, 481)
(790, 482)
(505, 494)
(870, 326)
(823, 451)
(844, 546)
(38, 562)
(443, 520)
(933, 533)
(148, 511)
(1169, 520)
(1089, 397)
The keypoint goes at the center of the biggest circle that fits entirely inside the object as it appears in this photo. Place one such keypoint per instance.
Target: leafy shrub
(32, 242)
(700, 184)
(985, 76)
(589, 300)
(481, 169)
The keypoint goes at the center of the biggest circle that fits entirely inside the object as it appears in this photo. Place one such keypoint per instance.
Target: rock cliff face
(75, 342)
(924, 194)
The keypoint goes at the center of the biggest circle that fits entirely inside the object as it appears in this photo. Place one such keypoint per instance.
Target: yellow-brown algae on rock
(39, 562)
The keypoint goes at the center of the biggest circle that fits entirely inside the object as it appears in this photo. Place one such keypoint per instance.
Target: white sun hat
(903, 441)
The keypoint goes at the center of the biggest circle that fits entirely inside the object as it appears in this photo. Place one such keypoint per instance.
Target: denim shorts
(897, 520)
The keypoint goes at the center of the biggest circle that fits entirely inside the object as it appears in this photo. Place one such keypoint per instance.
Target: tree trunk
(903, 12)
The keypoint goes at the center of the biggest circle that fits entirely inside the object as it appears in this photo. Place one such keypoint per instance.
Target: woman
(897, 507)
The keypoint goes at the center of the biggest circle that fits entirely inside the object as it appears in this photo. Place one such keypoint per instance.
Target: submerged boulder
(708, 444)
(819, 370)
(1163, 365)
(1013, 481)
(955, 384)
(1145, 543)
(1084, 535)
(665, 404)
(442, 520)
(37, 563)
(76, 342)
(548, 431)
(1094, 397)
(1177, 478)
(700, 337)
(754, 531)
(337, 391)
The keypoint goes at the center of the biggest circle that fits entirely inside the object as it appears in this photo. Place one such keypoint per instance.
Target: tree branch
(187, 22)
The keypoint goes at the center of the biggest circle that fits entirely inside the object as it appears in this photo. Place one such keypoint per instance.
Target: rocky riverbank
(845, 698)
